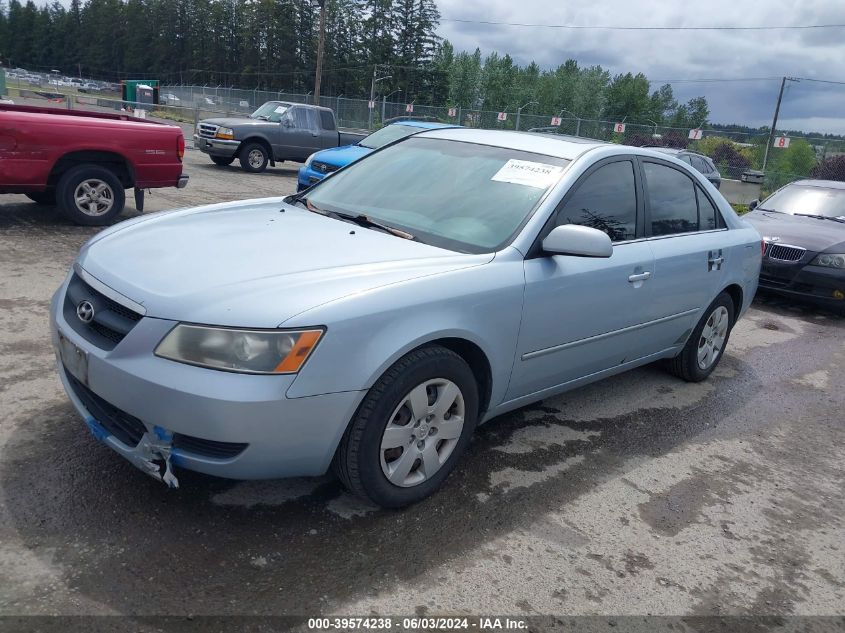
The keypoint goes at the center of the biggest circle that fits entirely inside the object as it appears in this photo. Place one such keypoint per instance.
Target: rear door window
(709, 217)
(672, 202)
(605, 200)
(327, 120)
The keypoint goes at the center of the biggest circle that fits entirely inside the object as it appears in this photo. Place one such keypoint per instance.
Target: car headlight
(830, 260)
(225, 133)
(310, 159)
(243, 351)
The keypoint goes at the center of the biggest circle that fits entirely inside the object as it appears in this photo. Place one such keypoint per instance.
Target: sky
(680, 55)
(673, 55)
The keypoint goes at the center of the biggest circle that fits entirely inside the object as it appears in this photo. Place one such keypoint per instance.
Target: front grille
(207, 448)
(207, 130)
(323, 168)
(784, 253)
(111, 323)
(128, 429)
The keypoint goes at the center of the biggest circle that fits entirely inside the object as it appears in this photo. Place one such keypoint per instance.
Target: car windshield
(271, 111)
(461, 196)
(388, 134)
(807, 200)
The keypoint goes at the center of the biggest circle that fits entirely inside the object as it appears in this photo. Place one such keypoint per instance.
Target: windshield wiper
(365, 221)
(820, 217)
(360, 219)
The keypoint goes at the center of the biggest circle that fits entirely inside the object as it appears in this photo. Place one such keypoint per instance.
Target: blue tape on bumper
(163, 434)
(96, 429)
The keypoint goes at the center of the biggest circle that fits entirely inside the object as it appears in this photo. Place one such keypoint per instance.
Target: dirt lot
(639, 495)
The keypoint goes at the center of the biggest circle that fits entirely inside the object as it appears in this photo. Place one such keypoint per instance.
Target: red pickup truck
(83, 161)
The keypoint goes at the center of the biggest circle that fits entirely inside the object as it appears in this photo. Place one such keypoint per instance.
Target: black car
(700, 162)
(803, 226)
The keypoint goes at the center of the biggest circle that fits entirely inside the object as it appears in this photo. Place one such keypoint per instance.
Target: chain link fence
(739, 156)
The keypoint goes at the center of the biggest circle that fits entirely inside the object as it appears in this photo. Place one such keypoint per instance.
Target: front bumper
(307, 177)
(283, 437)
(815, 284)
(216, 147)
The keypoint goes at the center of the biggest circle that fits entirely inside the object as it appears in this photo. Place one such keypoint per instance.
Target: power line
(713, 80)
(648, 28)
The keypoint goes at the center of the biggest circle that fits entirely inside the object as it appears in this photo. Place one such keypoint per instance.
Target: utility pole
(774, 121)
(321, 42)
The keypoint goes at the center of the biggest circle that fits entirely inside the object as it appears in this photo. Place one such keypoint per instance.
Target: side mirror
(581, 241)
(287, 123)
(753, 205)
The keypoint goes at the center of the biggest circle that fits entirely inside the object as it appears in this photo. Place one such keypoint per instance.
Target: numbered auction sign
(695, 135)
(409, 107)
(556, 120)
(453, 112)
(619, 128)
(502, 116)
(783, 142)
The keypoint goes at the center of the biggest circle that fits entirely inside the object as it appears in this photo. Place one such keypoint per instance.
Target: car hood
(236, 122)
(814, 235)
(254, 263)
(342, 156)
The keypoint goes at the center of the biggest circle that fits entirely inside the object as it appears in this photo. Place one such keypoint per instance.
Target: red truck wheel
(90, 194)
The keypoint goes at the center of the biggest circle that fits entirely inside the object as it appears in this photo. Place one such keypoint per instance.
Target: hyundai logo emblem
(85, 311)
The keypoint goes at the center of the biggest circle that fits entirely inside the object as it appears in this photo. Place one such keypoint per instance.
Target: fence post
(578, 127)
(196, 115)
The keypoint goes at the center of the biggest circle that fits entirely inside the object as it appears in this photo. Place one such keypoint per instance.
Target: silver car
(371, 325)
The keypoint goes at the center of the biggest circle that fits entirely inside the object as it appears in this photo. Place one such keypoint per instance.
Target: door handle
(715, 260)
(639, 277)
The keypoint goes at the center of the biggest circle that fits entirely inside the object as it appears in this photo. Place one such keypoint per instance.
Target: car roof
(559, 146)
(426, 125)
(821, 184)
(675, 151)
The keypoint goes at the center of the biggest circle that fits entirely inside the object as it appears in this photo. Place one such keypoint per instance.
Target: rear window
(327, 120)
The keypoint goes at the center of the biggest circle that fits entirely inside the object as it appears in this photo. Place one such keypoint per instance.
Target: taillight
(762, 247)
(180, 147)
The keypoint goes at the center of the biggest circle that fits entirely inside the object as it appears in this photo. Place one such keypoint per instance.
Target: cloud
(672, 55)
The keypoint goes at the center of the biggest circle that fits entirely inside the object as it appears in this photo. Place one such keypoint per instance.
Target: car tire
(254, 158)
(223, 161)
(365, 457)
(707, 343)
(104, 191)
(47, 197)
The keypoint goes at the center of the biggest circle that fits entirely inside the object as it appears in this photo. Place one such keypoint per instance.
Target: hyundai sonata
(370, 323)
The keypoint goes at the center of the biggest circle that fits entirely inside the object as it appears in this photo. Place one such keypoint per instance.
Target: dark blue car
(327, 161)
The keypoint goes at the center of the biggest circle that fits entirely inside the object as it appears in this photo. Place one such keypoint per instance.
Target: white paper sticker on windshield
(280, 109)
(529, 173)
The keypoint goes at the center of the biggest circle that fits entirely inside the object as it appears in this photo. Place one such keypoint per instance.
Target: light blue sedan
(371, 323)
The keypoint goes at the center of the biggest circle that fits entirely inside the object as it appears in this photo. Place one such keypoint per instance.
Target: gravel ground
(637, 495)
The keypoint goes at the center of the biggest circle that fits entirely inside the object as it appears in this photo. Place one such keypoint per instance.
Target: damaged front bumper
(154, 453)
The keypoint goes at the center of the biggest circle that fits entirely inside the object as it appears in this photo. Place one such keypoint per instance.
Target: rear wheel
(254, 158)
(43, 197)
(90, 194)
(707, 342)
(223, 161)
(410, 430)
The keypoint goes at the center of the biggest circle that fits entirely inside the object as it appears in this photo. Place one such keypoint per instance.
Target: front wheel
(707, 342)
(410, 430)
(254, 158)
(223, 161)
(90, 194)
